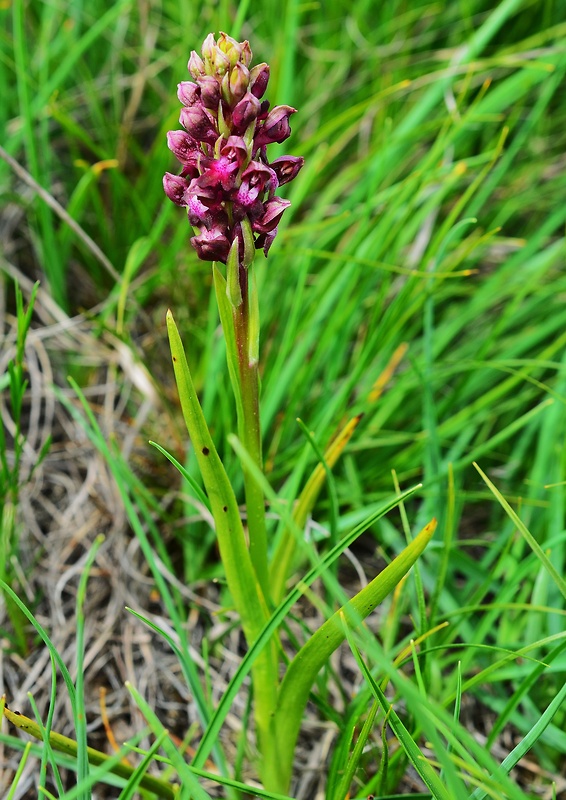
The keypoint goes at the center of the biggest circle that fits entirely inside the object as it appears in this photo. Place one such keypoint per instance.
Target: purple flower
(227, 183)
(224, 170)
(276, 126)
(265, 240)
(236, 150)
(199, 214)
(272, 213)
(221, 171)
(211, 245)
(175, 187)
(184, 147)
(256, 178)
(286, 168)
(245, 112)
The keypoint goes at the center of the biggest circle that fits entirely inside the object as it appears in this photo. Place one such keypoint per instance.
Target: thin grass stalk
(281, 561)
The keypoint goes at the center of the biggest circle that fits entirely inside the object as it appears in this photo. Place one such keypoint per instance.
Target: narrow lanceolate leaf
(231, 538)
(303, 669)
(281, 612)
(240, 575)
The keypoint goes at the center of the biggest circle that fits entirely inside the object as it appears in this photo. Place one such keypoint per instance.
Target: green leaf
(279, 615)
(305, 666)
(240, 575)
(282, 559)
(229, 529)
(520, 750)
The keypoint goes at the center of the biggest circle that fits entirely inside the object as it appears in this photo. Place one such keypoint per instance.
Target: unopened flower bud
(185, 148)
(208, 47)
(209, 91)
(198, 124)
(230, 47)
(215, 60)
(245, 112)
(221, 63)
(196, 65)
(174, 187)
(188, 93)
(236, 51)
(238, 84)
(259, 78)
(245, 54)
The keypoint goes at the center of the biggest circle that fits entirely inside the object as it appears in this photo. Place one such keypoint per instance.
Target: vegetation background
(418, 279)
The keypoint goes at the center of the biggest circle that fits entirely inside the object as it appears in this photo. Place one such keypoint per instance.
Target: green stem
(249, 432)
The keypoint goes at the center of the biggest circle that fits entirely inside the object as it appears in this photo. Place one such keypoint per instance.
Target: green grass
(429, 214)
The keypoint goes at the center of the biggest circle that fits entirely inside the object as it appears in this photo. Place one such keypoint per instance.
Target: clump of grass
(418, 281)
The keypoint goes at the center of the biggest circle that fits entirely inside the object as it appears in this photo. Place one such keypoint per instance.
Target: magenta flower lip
(226, 176)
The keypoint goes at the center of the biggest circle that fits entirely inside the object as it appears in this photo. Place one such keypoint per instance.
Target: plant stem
(249, 430)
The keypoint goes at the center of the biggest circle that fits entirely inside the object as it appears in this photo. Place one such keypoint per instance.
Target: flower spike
(227, 183)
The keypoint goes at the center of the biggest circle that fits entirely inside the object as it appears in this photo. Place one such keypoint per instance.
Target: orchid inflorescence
(227, 183)
(229, 187)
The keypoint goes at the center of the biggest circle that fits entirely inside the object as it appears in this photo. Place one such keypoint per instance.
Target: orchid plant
(228, 186)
